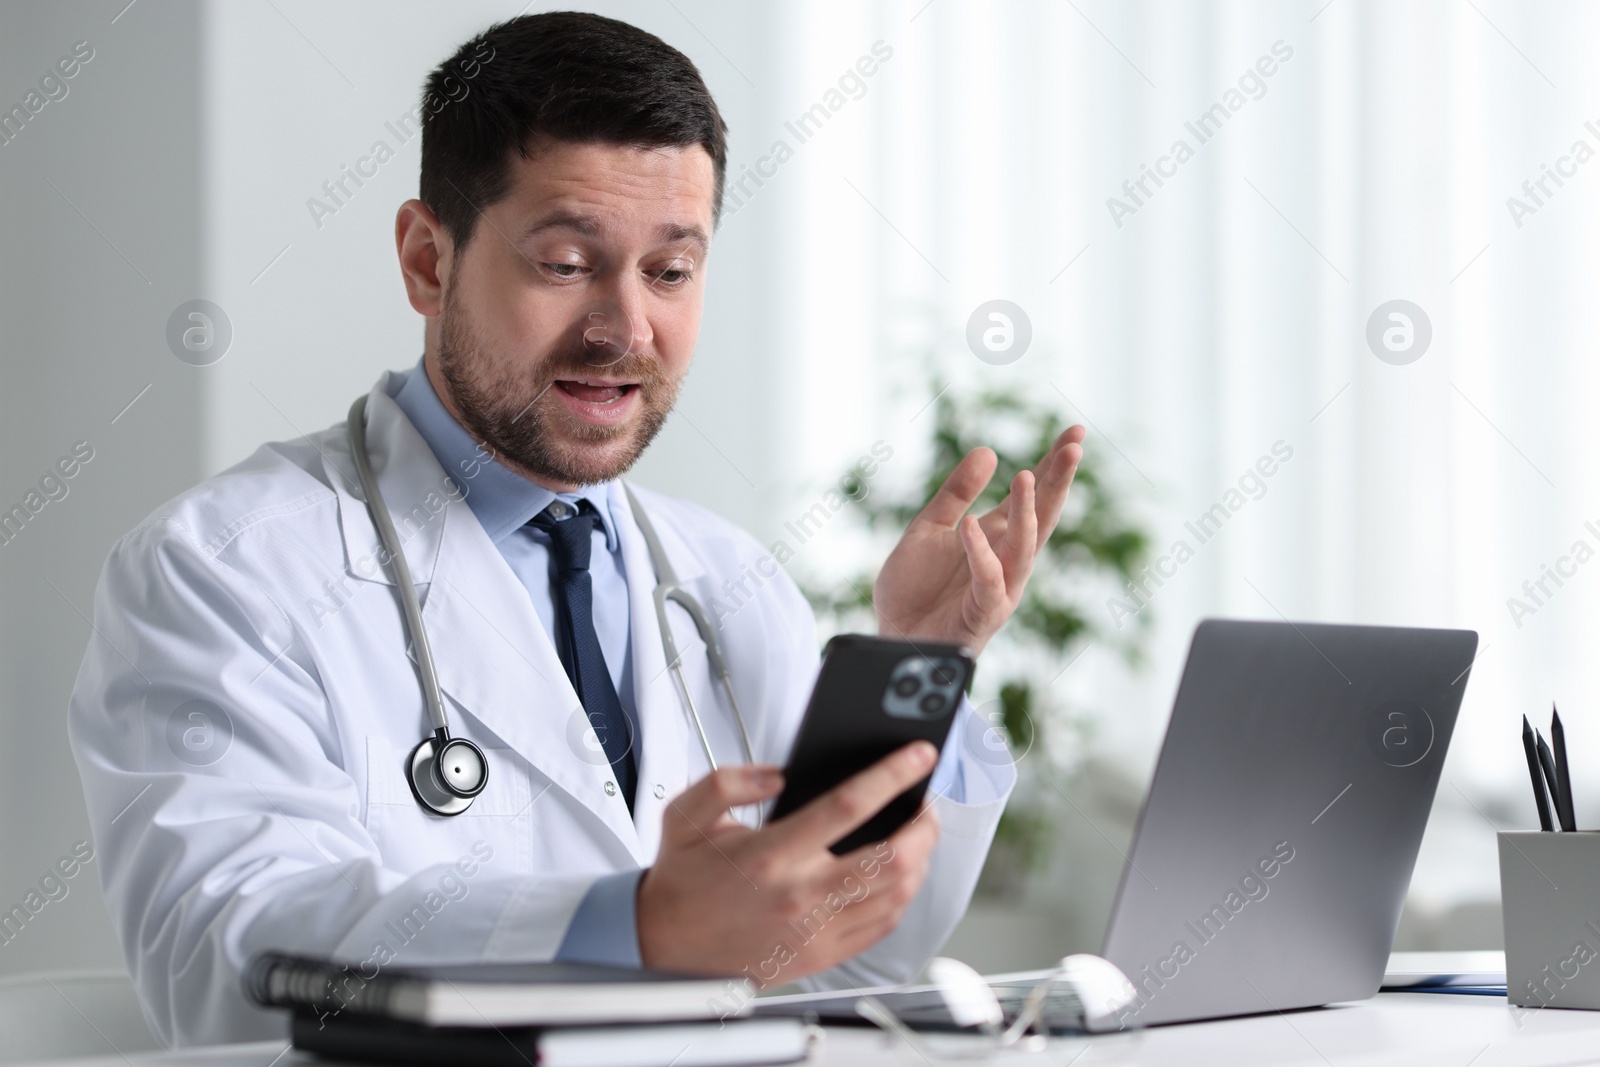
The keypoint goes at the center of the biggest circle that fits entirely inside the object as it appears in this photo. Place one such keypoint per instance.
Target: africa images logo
(199, 733)
(1400, 733)
(1399, 332)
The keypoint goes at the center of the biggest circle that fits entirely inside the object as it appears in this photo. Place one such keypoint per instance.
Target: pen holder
(1550, 903)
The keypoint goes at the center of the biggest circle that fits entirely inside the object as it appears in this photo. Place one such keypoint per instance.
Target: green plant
(1096, 545)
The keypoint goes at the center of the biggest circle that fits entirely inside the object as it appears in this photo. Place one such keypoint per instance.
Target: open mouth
(598, 402)
(594, 392)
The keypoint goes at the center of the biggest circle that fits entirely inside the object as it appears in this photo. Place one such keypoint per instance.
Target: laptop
(1277, 840)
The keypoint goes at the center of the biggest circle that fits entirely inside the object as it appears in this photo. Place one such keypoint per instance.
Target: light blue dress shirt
(603, 929)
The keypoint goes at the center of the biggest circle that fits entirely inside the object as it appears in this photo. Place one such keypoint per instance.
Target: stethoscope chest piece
(446, 779)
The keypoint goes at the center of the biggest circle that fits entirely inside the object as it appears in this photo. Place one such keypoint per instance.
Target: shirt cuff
(604, 929)
(975, 767)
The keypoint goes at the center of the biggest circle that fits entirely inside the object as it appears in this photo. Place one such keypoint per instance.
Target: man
(244, 711)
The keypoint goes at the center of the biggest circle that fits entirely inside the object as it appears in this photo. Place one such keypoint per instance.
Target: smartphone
(873, 695)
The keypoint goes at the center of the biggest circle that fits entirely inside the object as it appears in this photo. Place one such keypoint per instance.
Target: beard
(512, 412)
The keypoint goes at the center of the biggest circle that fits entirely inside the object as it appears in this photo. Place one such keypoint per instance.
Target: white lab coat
(246, 704)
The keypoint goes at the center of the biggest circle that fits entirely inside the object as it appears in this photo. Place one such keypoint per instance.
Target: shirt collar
(502, 499)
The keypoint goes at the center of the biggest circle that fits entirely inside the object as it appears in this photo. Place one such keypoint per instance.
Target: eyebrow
(590, 226)
(673, 232)
(587, 225)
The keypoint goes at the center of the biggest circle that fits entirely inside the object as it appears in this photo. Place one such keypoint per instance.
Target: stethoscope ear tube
(719, 663)
(668, 588)
(423, 653)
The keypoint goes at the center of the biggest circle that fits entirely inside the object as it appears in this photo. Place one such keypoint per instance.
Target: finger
(856, 934)
(988, 574)
(853, 943)
(702, 806)
(855, 800)
(878, 912)
(1021, 541)
(896, 880)
(961, 488)
(843, 939)
(915, 840)
(911, 844)
(1055, 478)
(880, 881)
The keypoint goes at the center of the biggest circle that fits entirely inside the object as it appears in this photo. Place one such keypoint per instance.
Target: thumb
(702, 807)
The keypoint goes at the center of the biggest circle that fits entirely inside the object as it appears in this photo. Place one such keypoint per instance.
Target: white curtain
(1355, 153)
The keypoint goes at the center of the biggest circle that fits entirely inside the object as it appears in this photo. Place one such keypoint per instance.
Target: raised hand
(958, 577)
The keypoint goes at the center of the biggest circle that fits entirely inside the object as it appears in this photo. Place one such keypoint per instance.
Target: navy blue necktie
(570, 530)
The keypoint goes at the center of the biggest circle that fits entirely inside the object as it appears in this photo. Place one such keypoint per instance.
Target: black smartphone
(873, 695)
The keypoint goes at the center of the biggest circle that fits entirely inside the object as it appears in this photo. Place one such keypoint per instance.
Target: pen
(1539, 799)
(1548, 762)
(1558, 736)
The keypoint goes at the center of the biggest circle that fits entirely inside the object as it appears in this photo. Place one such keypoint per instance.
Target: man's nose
(618, 326)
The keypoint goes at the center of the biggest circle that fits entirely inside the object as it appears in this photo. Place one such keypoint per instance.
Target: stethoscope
(446, 773)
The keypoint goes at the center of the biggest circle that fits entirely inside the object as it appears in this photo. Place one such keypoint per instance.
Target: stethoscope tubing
(409, 606)
(667, 588)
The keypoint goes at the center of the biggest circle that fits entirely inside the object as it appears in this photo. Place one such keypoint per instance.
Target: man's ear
(426, 255)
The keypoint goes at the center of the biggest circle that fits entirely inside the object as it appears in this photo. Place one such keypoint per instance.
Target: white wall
(85, 291)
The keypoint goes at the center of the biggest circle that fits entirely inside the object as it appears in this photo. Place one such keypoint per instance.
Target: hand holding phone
(720, 894)
(873, 695)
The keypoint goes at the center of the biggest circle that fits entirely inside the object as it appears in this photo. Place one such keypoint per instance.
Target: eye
(678, 272)
(565, 271)
(672, 277)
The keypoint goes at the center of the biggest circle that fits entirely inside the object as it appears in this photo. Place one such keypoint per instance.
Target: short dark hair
(563, 75)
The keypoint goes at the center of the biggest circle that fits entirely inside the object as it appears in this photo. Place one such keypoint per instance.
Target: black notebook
(491, 994)
(701, 1044)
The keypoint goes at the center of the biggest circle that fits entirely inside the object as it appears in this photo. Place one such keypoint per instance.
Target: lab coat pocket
(411, 839)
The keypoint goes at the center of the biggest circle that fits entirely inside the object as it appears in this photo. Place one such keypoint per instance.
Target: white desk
(1416, 1029)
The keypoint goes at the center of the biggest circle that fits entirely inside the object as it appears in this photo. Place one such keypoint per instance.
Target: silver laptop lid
(1284, 817)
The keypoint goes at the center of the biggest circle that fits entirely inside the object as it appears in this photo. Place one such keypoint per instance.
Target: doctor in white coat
(244, 712)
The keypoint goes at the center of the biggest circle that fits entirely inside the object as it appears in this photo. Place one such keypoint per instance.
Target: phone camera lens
(932, 705)
(944, 675)
(907, 686)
